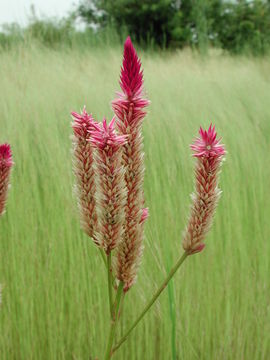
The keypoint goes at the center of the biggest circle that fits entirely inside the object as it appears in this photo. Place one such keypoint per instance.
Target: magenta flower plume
(84, 172)
(110, 194)
(129, 109)
(131, 78)
(5, 170)
(129, 105)
(209, 153)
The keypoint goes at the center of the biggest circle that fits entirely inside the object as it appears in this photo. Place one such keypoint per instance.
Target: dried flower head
(5, 169)
(84, 172)
(110, 195)
(209, 153)
(129, 109)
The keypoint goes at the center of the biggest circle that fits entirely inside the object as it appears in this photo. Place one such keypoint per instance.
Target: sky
(19, 10)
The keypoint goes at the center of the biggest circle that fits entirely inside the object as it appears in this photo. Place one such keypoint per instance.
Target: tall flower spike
(84, 171)
(110, 194)
(129, 109)
(209, 153)
(5, 170)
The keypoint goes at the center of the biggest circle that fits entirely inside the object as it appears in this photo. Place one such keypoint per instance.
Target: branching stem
(151, 302)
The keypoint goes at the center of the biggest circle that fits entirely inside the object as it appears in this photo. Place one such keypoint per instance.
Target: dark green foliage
(236, 26)
(244, 26)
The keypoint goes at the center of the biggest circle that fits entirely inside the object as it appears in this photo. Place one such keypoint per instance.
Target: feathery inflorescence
(209, 153)
(84, 172)
(129, 109)
(5, 170)
(110, 193)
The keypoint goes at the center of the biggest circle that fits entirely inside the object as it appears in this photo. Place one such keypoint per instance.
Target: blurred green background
(54, 296)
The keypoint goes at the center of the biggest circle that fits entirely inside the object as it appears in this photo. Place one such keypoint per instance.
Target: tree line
(239, 26)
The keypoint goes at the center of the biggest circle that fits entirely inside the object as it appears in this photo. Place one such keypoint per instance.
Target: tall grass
(54, 303)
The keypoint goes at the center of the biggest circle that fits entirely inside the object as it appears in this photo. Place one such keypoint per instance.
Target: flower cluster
(109, 168)
(108, 164)
(209, 153)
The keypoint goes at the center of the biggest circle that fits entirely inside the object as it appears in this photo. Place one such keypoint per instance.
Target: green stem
(154, 298)
(103, 256)
(101, 251)
(109, 272)
(118, 298)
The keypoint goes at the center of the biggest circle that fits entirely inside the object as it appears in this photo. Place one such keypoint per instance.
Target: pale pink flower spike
(110, 194)
(83, 169)
(5, 170)
(129, 109)
(209, 153)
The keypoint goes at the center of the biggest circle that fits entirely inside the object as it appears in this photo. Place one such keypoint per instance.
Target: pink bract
(103, 135)
(207, 144)
(82, 123)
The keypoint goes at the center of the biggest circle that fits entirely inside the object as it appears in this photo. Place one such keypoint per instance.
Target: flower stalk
(152, 301)
(114, 321)
(110, 280)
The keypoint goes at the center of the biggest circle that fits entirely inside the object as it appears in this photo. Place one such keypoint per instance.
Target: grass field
(54, 301)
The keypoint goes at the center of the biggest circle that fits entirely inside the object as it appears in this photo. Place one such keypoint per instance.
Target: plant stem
(109, 272)
(114, 319)
(154, 298)
(103, 256)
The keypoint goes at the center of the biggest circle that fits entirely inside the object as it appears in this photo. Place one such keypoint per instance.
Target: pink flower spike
(103, 135)
(206, 194)
(207, 144)
(6, 163)
(110, 196)
(85, 187)
(129, 108)
(131, 78)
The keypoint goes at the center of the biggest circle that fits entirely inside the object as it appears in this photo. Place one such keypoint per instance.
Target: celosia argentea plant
(109, 170)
